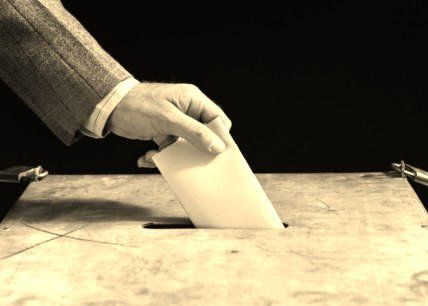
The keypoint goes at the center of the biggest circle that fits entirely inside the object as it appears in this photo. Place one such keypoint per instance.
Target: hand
(163, 112)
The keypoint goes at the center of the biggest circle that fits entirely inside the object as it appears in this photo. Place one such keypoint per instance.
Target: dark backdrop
(309, 88)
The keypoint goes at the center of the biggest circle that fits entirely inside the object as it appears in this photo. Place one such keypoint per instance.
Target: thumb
(146, 160)
(196, 133)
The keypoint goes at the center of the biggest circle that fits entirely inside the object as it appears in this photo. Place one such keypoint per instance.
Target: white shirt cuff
(94, 126)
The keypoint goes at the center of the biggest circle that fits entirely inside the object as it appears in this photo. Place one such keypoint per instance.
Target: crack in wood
(39, 243)
(327, 206)
(75, 238)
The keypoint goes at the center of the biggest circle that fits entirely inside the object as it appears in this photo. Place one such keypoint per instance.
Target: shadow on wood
(93, 210)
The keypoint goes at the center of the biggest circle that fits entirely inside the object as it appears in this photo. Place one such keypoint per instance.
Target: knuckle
(199, 132)
(157, 94)
(169, 116)
(189, 89)
(164, 113)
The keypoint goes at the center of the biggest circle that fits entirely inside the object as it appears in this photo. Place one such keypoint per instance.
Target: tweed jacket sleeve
(53, 64)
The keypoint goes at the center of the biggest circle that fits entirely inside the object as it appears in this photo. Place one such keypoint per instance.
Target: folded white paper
(216, 191)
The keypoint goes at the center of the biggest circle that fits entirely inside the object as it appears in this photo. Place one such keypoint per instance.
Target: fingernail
(217, 146)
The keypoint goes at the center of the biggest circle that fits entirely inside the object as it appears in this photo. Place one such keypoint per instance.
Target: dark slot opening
(167, 225)
(152, 225)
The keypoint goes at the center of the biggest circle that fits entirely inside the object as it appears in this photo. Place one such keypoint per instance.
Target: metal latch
(22, 174)
(415, 174)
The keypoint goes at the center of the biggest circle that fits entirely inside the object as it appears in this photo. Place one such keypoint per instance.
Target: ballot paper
(216, 191)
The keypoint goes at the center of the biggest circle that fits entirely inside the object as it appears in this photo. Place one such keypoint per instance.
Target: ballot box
(351, 239)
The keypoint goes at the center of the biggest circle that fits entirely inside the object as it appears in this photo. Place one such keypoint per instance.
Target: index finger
(211, 110)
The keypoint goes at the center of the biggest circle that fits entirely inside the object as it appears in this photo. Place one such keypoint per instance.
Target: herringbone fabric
(53, 64)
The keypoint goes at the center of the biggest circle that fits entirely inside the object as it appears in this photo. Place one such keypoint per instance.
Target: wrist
(120, 109)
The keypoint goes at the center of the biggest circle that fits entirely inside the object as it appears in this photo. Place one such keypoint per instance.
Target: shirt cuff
(94, 126)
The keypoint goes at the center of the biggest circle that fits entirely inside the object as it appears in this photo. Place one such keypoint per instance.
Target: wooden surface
(353, 239)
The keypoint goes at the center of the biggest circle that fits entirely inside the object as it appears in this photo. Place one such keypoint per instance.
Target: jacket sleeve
(53, 64)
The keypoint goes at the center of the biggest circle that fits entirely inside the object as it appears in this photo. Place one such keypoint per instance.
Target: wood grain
(353, 239)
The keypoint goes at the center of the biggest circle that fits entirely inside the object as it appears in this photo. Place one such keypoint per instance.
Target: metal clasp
(415, 174)
(22, 174)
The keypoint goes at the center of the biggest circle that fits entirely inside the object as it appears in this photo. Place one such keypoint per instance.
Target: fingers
(188, 128)
(146, 160)
(192, 109)
(195, 132)
(211, 111)
(197, 105)
(214, 111)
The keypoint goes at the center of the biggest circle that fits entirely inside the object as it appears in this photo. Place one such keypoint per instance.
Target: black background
(322, 88)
